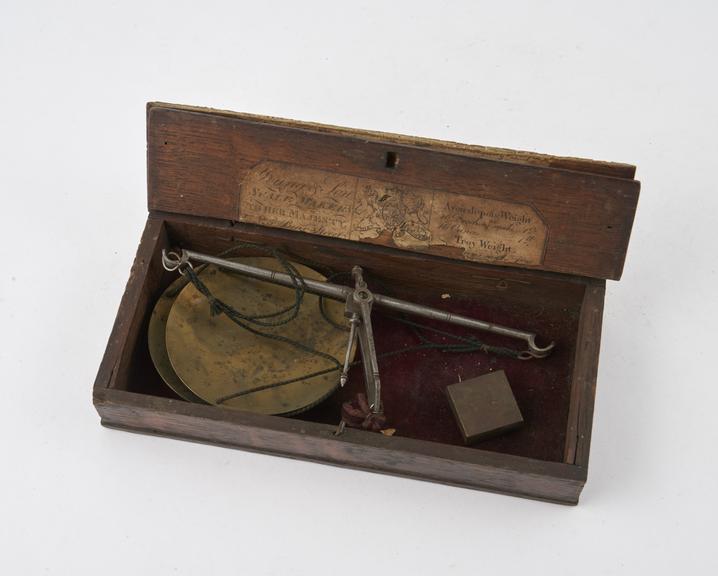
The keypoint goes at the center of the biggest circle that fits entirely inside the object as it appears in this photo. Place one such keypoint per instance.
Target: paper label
(422, 219)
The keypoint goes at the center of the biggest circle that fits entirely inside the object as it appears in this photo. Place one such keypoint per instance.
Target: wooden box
(518, 238)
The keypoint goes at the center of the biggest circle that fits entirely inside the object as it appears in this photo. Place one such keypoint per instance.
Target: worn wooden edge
(173, 436)
(627, 239)
(584, 376)
(598, 167)
(120, 329)
(514, 475)
(594, 307)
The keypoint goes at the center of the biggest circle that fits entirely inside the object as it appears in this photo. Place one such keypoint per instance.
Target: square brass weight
(484, 406)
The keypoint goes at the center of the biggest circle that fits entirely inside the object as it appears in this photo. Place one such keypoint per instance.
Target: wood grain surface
(198, 160)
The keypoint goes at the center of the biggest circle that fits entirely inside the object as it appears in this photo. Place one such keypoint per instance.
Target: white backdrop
(633, 82)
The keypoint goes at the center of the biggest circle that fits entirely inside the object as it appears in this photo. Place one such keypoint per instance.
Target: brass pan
(157, 344)
(213, 357)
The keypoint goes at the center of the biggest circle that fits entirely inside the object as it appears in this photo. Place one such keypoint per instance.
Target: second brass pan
(158, 345)
(214, 357)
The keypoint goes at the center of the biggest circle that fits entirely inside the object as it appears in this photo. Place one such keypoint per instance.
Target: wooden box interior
(201, 168)
(413, 384)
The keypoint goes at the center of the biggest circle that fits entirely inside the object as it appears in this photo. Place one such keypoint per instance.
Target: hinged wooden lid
(465, 202)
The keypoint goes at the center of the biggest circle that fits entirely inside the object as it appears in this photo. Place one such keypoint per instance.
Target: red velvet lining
(414, 384)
